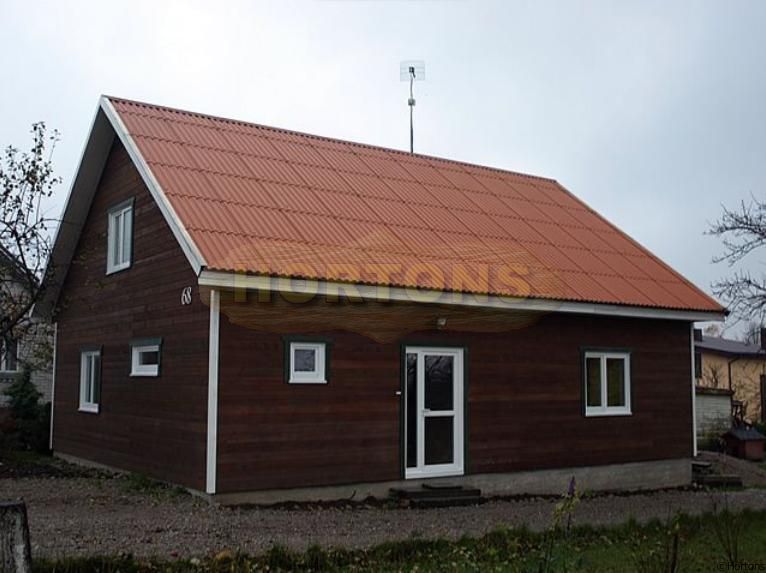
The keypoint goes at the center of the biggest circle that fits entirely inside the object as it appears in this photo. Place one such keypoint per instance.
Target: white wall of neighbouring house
(713, 414)
(34, 349)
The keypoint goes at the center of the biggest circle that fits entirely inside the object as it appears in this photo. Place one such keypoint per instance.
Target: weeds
(664, 556)
(661, 547)
(140, 484)
(556, 552)
(727, 527)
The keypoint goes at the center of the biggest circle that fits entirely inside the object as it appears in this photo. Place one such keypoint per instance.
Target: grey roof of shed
(746, 434)
(727, 346)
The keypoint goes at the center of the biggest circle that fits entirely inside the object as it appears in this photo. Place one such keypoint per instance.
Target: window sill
(291, 381)
(88, 408)
(144, 374)
(607, 413)
(113, 270)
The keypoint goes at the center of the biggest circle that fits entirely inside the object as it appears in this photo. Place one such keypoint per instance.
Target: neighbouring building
(261, 314)
(714, 415)
(31, 349)
(733, 365)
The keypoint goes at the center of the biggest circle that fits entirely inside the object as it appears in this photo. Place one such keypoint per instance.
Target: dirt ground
(72, 516)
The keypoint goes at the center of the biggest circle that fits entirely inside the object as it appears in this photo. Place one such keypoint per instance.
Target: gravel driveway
(87, 516)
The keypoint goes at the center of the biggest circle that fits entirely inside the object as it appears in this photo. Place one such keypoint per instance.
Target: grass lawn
(698, 543)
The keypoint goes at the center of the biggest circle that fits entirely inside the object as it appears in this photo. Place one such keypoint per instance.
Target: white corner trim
(53, 383)
(694, 393)
(212, 393)
(191, 251)
(229, 280)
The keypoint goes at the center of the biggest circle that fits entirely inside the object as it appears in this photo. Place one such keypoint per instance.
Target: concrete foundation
(617, 477)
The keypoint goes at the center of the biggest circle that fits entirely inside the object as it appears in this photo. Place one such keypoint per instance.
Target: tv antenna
(412, 71)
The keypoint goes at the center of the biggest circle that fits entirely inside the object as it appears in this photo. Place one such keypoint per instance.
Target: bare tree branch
(26, 180)
(742, 231)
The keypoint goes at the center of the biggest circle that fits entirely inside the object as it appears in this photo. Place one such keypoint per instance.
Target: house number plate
(186, 295)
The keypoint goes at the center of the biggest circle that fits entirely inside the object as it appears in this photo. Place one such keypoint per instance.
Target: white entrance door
(433, 405)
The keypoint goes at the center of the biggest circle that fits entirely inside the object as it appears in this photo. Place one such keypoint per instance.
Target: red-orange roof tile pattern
(270, 201)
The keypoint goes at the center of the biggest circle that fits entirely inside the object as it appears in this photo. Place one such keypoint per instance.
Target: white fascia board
(191, 251)
(227, 280)
(93, 157)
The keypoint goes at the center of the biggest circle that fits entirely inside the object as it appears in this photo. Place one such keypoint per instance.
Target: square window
(90, 380)
(145, 358)
(607, 384)
(119, 237)
(307, 363)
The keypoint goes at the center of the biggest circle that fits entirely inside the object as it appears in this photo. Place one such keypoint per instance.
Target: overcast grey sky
(651, 112)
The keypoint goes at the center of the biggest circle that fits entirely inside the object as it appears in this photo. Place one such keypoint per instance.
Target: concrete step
(700, 467)
(719, 480)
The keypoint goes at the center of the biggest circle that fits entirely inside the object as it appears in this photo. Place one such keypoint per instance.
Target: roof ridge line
(329, 139)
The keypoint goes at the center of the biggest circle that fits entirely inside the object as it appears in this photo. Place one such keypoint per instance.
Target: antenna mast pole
(412, 71)
(411, 103)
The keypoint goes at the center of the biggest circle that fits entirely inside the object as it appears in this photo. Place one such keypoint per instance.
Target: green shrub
(31, 419)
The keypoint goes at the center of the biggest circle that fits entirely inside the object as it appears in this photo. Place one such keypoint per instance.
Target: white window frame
(603, 409)
(117, 229)
(3, 356)
(86, 405)
(146, 370)
(319, 375)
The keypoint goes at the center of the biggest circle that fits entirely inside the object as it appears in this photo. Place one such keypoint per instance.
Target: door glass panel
(439, 381)
(593, 389)
(439, 440)
(411, 400)
(615, 382)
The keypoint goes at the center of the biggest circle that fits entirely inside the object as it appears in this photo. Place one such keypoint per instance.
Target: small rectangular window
(307, 363)
(145, 358)
(90, 380)
(607, 383)
(120, 237)
(9, 355)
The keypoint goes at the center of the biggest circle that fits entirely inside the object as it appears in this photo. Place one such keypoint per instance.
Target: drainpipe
(728, 365)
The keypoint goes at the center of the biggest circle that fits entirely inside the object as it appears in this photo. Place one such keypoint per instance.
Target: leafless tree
(26, 181)
(713, 375)
(743, 231)
(752, 333)
(713, 330)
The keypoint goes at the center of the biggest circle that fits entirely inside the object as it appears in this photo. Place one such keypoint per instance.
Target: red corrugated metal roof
(271, 201)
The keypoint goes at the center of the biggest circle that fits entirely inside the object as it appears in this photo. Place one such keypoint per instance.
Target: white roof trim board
(227, 280)
(107, 123)
(191, 251)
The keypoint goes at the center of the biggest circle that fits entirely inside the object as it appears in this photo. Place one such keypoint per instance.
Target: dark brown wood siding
(155, 426)
(525, 407)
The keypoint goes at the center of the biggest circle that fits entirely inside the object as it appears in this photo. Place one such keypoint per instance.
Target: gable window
(307, 363)
(9, 355)
(607, 383)
(90, 380)
(120, 237)
(145, 357)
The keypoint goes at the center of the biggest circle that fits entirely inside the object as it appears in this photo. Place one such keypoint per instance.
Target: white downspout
(694, 393)
(212, 393)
